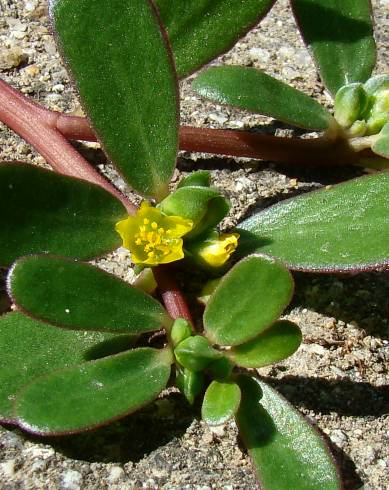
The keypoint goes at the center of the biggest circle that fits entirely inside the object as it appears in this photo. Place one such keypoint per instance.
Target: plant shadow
(130, 438)
(326, 396)
(358, 298)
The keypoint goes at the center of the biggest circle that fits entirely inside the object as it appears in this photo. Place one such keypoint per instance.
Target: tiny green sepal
(190, 383)
(195, 353)
(204, 206)
(221, 402)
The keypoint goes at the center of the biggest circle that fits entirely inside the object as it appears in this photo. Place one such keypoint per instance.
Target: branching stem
(38, 126)
(42, 129)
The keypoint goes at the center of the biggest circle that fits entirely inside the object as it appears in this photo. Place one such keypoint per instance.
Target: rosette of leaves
(69, 355)
(87, 373)
(340, 38)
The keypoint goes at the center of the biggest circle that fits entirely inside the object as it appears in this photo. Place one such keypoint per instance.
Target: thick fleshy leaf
(253, 90)
(44, 212)
(204, 206)
(200, 178)
(80, 296)
(381, 146)
(221, 402)
(195, 353)
(340, 35)
(190, 383)
(249, 298)
(124, 74)
(30, 349)
(278, 437)
(93, 393)
(339, 228)
(200, 30)
(276, 343)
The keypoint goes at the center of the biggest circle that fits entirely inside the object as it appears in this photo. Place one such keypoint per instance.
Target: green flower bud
(190, 383)
(181, 330)
(195, 353)
(351, 102)
(379, 112)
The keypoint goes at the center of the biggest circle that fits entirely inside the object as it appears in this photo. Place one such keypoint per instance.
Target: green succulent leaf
(200, 178)
(340, 35)
(30, 349)
(276, 343)
(204, 206)
(248, 299)
(180, 331)
(381, 146)
(253, 90)
(195, 353)
(340, 228)
(93, 393)
(79, 296)
(377, 83)
(42, 211)
(190, 383)
(200, 30)
(127, 84)
(221, 402)
(277, 436)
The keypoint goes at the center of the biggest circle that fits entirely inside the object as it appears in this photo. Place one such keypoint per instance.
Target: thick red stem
(173, 299)
(42, 129)
(317, 151)
(38, 127)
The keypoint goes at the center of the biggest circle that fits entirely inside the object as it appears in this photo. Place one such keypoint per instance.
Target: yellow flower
(152, 237)
(216, 251)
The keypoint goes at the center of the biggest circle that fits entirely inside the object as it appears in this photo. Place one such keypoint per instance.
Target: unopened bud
(379, 113)
(351, 102)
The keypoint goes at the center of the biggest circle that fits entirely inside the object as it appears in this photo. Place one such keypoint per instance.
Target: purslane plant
(98, 365)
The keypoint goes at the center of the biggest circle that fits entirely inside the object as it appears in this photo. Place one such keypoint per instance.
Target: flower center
(154, 240)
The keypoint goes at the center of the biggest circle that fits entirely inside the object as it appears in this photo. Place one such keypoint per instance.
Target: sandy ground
(338, 376)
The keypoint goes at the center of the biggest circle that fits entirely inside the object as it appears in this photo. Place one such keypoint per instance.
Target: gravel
(338, 378)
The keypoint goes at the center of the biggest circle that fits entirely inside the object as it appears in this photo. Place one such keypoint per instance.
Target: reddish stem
(38, 127)
(41, 128)
(173, 299)
(317, 151)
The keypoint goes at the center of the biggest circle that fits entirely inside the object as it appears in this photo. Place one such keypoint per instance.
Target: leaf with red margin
(341, 228)
(122, 65)
(286, 451)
